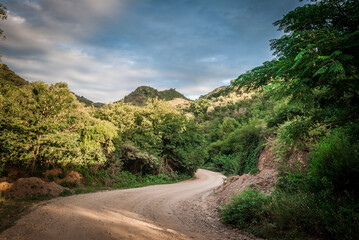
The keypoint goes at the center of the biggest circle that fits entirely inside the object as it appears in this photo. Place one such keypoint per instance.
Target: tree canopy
(316, 64)
(3, 16)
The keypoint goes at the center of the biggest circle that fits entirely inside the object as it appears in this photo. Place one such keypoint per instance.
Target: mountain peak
(140, 96)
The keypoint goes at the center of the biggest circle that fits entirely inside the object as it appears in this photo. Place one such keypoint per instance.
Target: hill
(88, 102)
(140, 96)
(226, 93)
(10, 76)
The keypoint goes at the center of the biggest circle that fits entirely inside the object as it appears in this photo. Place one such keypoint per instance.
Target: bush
(246, 209)
(334, 165)
(228, 164)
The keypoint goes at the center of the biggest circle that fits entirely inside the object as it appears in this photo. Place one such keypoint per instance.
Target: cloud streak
(105, 49)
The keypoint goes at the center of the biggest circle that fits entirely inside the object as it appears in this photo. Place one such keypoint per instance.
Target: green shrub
(228, 164)
(334, 165)
(246, 209)
(294, 214)
(292, 181)
(69, 184)
(65, 193)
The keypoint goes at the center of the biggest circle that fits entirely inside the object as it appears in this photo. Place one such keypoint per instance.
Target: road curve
(153, 212)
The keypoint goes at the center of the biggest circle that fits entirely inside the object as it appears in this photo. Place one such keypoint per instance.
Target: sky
(106, 49)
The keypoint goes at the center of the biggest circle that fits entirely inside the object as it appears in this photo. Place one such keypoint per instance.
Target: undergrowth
(320, 202)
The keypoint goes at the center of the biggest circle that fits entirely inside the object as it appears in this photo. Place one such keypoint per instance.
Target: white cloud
(33, 5)
(105, 49)
(212, 59)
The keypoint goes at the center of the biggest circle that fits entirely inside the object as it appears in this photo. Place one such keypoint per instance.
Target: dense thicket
(235, 130)
(45, 126)
(159, 130)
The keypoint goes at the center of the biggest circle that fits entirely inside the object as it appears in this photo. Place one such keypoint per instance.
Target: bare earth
(183, 210)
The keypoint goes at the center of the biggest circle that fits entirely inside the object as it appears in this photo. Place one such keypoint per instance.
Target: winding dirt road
(172, 211)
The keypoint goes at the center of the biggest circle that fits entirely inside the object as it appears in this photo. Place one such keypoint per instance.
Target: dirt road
(173, 211)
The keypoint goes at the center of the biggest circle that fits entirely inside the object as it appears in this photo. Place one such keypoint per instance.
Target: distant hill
(11, 76)
(222, 91)
(226, 94)
(140, 96)
(88, 102)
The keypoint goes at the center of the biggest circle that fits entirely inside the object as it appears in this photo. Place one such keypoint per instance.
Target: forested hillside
(44, 127)
(142, 94)
(88, 102)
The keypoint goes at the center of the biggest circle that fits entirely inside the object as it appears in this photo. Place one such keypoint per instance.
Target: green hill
(140, 96)
(88, 102)
(8, 75)
(223, 91)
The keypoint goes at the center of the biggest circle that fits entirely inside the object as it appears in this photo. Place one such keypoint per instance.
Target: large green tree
(316, 65)
(43, 126)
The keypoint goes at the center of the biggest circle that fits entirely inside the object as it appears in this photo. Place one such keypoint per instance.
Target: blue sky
(106, 49)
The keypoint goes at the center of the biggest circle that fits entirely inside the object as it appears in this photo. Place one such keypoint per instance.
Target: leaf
(323, 57)
(336, 53)
(300, 54)
(336, 67)
(321, 70)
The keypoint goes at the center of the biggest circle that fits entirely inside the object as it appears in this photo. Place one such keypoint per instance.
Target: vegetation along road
(153, 212)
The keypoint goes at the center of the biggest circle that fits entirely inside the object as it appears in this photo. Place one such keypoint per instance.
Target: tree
(43, 126)
(3, 16)
(316, 65)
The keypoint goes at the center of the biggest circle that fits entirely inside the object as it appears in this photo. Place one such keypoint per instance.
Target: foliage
(312, 86)
(3, 16)
(334, 166)
(228, 164)
(246, 209)
(227, 127)
(244, 138)
(7, 75)
(44, 126)
(321, 202)
(142, 94)
(199, 107)
(115, 177)
(219, 92)
(237, 151)
(88, 102)
(159, 130)
(134, 160)
(316, 67)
